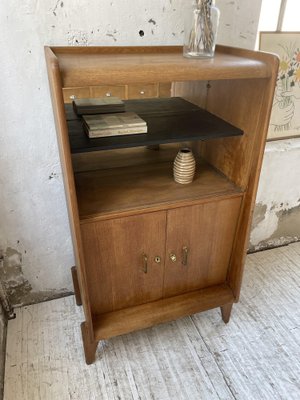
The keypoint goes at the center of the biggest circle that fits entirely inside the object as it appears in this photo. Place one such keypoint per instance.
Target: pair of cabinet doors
(142, 258)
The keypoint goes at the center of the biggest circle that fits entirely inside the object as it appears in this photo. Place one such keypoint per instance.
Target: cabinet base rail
(143, 316)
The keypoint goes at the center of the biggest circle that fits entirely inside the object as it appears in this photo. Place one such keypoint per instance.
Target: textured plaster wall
(34, 234)
(276, 218)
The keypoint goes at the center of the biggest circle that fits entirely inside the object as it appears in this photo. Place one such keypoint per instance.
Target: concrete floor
(256, 356)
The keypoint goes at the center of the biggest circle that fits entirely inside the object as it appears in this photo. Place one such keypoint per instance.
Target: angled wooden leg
(76, 286)
(226, 311)
(89, 347)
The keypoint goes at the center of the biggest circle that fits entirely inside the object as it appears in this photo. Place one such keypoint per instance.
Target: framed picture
(285, 117)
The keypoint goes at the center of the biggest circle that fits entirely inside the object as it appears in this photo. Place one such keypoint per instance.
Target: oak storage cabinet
(147, 249)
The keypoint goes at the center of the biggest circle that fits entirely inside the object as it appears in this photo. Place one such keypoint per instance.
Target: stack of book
(102, 125)
(97, 106)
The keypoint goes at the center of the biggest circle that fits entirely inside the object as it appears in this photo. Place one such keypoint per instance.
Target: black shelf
(169, 120)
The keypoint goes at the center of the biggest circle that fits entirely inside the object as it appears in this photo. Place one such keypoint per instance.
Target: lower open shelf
(146, 315)
(113, 192)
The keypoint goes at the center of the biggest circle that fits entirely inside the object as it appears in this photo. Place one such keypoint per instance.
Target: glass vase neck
(201, 3)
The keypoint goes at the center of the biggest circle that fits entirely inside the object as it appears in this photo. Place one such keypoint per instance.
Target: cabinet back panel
(126, 157)
(207, 231)
(114, 251)
(237, 102)
(241, 103)
(193, 91)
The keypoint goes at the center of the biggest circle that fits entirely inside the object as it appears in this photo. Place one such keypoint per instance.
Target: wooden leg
(226, 311)
(89, 347)
(76, 286)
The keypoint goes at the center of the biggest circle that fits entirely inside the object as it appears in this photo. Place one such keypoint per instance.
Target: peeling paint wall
(17, 287)
(34, 232)
(276, 219)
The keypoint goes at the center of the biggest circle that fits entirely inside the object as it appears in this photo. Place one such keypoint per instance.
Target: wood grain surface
(115, 252)
(111, 192)
(146, 315)
(55, 84)
(207, 232)
(122, 65)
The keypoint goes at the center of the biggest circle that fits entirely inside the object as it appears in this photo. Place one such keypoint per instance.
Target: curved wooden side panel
(236, 270)
(247, 104)
(66, 164)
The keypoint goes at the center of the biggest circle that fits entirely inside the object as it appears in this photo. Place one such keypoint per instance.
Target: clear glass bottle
(200, 29)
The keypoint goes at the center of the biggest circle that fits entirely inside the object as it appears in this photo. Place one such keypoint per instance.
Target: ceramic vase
(184, 166)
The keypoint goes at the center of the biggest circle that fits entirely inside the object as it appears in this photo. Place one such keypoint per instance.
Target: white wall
(276, 218)
(34, 232)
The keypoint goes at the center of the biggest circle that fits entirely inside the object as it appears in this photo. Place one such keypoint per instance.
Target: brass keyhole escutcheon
(173, 257)
(157, 259)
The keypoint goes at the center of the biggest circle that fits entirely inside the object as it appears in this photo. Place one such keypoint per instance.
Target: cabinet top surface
(82, 66)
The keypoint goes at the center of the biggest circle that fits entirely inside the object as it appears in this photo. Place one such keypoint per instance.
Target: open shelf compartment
(113, 192)
(169, 120)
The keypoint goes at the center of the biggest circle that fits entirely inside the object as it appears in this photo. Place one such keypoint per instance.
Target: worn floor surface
(256, 356)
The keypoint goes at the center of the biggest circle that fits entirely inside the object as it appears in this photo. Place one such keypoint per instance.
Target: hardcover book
(98, 105)
(102, 125)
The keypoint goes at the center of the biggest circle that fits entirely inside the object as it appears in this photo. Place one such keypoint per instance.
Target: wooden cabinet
(201, 238)
(149, 250)
(124, 250)
(159, 254)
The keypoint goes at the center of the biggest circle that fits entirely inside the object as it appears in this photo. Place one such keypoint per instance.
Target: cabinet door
(199, 244)
(118, 274)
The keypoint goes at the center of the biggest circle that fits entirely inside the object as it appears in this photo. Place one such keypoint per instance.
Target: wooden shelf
(87, 66)
(113, 192)
(169, 120)
(146, 315)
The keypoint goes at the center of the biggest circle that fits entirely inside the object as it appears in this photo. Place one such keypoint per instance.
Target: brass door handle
(173, 257)
(145, 263)
(185, 252)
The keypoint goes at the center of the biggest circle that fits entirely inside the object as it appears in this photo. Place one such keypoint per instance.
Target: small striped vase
(184, 166)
